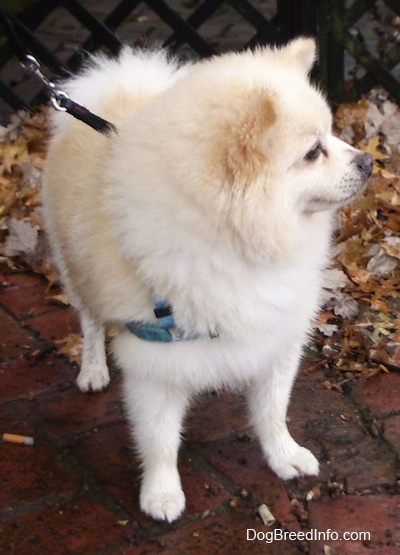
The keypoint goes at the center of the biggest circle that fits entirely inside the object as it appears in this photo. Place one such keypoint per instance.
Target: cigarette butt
(266, 516)
(14, 438)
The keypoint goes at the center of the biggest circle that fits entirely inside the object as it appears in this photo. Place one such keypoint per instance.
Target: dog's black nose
(364, 163)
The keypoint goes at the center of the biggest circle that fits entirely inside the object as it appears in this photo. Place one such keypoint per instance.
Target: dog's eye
(314, 153)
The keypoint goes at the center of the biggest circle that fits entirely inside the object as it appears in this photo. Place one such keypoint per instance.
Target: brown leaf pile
(358, 330)
(22, 239)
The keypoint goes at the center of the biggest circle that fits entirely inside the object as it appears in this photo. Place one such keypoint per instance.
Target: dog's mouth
(350, 189)
(333, 203)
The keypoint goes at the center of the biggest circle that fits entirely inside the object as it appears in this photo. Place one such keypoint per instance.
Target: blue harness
(164, 330)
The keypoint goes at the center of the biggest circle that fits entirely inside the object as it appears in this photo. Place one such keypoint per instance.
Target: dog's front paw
(298, 462)
(93, 377)
(162, 503)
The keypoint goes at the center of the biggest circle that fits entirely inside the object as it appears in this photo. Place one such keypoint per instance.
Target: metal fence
(359, 40)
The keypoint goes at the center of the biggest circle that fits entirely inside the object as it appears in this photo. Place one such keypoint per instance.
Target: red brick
(392, 432)
(108, 456)
(216, 416)
(315, 413)
(224, 534)
(350, 454)
(72, 412)
(26, 295)
(118, 470)
(57, 324)
(28, 474)
(365, 464)
(76, 526)
(380, 394)
(83, 439)
(337, 436)
(25, 377)
(243, 464)
(203, 492)
(15, 340)
(313, 407)
(378, 515)
(221, 421)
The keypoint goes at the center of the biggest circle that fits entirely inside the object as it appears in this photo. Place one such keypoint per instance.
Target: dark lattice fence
(359, 40)
(359, 46)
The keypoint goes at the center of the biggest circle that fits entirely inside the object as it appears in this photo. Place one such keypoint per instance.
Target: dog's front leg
(268, 399)
(156, 412)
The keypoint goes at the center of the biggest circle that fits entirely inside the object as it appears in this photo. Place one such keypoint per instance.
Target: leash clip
(57, 96)
(59, 99)
(56, 99)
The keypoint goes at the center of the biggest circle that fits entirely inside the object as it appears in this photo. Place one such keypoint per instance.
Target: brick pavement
(76, 490)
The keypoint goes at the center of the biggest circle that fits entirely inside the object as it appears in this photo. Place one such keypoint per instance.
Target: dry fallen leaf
(373, 147)
(71, 347)
(22, 238)
(62, 299)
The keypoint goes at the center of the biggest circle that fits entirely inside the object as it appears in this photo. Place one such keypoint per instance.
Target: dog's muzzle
(364, 163)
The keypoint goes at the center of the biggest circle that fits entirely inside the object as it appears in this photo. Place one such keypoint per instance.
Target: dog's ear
(302, 52)
(254, 116)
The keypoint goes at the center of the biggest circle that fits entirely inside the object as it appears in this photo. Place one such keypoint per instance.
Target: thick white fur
(205, 199)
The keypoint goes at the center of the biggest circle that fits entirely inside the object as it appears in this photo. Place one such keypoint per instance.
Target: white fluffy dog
(201, 229)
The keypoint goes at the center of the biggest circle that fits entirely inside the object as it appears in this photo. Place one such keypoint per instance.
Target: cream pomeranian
(200, 228)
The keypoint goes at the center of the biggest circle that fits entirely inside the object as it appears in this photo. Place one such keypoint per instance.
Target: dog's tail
(115, 88)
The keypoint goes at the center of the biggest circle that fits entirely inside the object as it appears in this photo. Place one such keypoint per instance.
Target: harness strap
(165, 330)
(163, 313)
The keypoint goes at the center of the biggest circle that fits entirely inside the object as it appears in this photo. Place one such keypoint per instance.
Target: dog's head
(263, 134)
(273, 125)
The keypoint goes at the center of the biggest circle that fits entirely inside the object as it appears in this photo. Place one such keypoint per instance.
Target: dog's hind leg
(94, 374)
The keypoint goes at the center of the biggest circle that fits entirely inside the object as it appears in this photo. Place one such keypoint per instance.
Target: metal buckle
(175, 333)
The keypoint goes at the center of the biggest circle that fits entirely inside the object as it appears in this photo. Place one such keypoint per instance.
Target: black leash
(58, 98)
